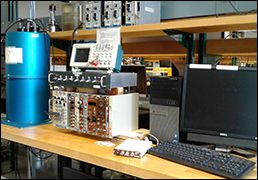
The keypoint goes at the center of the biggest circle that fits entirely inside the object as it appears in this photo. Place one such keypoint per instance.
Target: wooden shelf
(171, 47)
(192, 25)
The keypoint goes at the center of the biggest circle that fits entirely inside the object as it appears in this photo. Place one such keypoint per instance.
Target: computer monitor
(219, 105)
(164, 63)
(80, 54)
(141, 76)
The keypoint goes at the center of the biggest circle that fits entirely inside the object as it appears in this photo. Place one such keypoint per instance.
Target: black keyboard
(222, 164)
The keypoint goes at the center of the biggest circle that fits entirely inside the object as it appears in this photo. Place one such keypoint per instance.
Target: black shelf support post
(202, 58)
(186, 40)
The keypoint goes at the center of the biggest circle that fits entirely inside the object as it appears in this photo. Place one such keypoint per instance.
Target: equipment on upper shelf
(92, 14)
(142, 12)
(96, 14)
(97, 56)
(52, 26)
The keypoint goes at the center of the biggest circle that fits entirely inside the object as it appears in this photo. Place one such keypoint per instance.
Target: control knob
(82, 80)
(71, 78)
(77, 79)
(65, 79)
(88, 80)
(60, 78)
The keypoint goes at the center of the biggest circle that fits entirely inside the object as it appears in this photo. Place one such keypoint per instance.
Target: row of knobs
(60, 78)
(103, 47)
(126, 153)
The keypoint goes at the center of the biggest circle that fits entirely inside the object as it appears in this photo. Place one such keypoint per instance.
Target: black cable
(73, 34)
(39, 154)
(232, 5)
(230, 34)
(17, 173)
(39, 20)
(11, 25)
(52, 42)
(241, 12)
(218, 61)
(53, 56)
(30, 163)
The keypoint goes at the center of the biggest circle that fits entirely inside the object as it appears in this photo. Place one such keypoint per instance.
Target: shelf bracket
(186, 40)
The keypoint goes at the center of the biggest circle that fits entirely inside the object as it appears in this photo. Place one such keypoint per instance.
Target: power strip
(133, 148)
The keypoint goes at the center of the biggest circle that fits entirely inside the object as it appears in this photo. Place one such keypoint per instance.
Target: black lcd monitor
(219, 105)
(82, 55)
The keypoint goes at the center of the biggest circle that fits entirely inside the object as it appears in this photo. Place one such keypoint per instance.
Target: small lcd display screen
(92, 104)
(82, 55)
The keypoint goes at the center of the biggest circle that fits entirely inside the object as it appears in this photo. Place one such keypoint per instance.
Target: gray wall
(180, 9)
(169, 9)
(41, 8)
(4, 15)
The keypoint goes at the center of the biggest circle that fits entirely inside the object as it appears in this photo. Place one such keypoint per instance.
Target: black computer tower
(165, 100)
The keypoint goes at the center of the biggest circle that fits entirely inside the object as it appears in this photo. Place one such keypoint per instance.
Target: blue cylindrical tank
(27, 89)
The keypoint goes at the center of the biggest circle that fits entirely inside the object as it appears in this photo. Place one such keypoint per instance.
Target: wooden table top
(84, 148)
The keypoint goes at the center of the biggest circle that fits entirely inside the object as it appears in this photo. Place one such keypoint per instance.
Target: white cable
(154, 138)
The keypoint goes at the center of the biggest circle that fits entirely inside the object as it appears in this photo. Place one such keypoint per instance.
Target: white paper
(34, 35)
(13, 55)
(109, 35)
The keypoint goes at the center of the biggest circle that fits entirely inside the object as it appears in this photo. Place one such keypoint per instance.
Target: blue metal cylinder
(27, 89)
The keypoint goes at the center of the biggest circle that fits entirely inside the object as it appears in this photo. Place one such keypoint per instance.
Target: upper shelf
(192, 25)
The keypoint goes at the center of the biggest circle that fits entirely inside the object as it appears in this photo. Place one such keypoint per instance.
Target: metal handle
(49, 105)
(49, 78)
(102, 81)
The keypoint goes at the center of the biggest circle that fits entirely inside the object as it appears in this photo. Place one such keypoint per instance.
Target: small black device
(166, 90)
(92, 79)
(222, 164)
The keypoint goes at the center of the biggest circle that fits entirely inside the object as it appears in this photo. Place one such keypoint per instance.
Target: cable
(39, 154)
(30, 164)
(230, 34)
(154, 138)
(241, 12)
(17, 173)
(53, 56)
(39, 20)
(52, 42)
(218, 61)
(73, 34)
(11, 25)
(232, 5)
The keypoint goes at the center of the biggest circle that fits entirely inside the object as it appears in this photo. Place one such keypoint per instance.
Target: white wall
(41, 8)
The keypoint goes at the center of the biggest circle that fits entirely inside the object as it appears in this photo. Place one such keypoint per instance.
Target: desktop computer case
(164, 122)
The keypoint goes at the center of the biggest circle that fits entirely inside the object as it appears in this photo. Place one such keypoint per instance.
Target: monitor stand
(235, 150)
(244, 153)
(226, 149)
